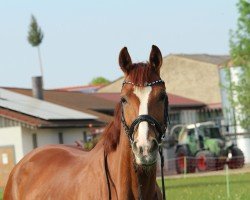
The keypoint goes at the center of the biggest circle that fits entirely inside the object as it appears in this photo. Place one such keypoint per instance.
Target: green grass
(205, 188)
(208, 188)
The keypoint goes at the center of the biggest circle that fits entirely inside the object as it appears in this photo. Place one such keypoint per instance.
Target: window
(84, 136)
(60, 137)
(34, 140)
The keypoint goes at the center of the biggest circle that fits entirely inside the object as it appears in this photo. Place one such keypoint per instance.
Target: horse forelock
(111, 135)
(141, 73)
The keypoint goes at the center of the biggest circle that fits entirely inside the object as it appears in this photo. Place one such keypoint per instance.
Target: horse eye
(123, 100)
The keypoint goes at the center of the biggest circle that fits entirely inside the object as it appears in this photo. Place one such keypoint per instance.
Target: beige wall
(113, 87)
(191, 79)
(12, 136)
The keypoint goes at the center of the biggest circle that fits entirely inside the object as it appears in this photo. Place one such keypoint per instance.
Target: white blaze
(143, 95)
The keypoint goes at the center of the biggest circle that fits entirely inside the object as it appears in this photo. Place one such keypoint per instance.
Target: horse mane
(111, 135)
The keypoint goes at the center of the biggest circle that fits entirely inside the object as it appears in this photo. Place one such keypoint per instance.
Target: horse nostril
(140, 150)
(134, 146)
(154, 145)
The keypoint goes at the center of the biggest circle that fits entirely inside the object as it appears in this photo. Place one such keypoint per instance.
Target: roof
(214, 106)
(36, 122)
(39, 108)
(174, 100)
(213, 59)
(87, 103)
(83, 88)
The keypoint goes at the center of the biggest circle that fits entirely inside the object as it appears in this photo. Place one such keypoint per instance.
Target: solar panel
(39, 108)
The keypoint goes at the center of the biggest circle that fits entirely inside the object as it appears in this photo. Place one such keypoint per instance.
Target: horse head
(144, 105)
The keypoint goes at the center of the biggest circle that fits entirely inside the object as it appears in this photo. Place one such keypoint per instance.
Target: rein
(160, 134)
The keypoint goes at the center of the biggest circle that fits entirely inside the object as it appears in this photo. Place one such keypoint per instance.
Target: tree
(240, 55)
(35, 38)
(99, 80)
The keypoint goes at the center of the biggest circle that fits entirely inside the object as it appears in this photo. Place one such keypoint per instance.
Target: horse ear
(155, 58)
(125, 60)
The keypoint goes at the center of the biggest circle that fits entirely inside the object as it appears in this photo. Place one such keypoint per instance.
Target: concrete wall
(21, 138)
(244, 144)
(26, 141)
(72, 135)
(47, 136)
(12, 136)
(191, 79)
(51, 136)
(232, 114)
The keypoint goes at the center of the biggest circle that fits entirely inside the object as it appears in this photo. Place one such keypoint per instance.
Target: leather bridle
(160, 130)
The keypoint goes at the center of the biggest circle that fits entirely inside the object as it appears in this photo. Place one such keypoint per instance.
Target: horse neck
(124, 175)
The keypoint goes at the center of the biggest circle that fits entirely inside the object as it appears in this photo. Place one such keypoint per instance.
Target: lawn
(208, 188)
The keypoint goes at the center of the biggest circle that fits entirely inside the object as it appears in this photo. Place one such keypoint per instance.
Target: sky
(82, 39)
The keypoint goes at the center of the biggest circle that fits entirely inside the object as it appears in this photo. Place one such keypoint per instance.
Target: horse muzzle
(145, 154)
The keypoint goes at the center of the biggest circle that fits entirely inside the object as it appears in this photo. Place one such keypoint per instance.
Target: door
(7, 162)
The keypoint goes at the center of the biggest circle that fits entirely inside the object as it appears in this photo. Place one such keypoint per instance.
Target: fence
(184, 165)
(184, 168)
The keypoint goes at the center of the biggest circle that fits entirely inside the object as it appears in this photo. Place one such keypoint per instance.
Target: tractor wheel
(220, 162)
(205, 161)
(183, 153)
(237, 160)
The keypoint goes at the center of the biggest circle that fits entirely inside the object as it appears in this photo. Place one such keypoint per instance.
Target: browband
(145, 84)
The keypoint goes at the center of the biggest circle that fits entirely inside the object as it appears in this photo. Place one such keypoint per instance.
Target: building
(83, 89)
(27, 123)
(182, 110)
(88, 103)
(191, 76)
(194, 77)
(232, 114)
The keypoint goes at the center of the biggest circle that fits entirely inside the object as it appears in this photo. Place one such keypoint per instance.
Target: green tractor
(201, 146)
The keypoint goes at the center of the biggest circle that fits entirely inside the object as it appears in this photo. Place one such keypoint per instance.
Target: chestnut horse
(123, 163)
